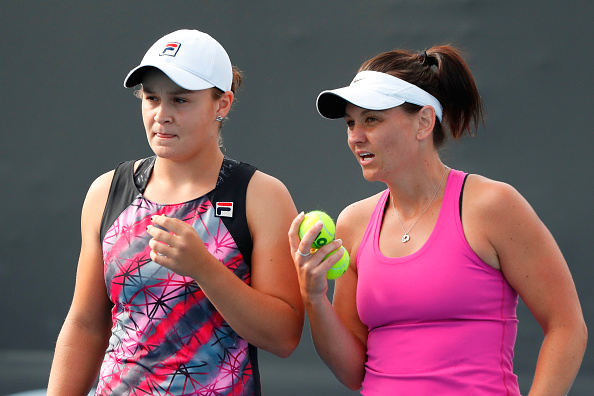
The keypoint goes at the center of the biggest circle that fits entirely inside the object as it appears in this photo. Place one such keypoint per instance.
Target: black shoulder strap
(121, 193)
(231, 193)
(462, 193)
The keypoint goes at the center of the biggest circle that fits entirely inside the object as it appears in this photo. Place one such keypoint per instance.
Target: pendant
(405, 238)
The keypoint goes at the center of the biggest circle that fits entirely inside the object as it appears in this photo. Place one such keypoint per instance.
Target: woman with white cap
(438, 259)
(189, 244)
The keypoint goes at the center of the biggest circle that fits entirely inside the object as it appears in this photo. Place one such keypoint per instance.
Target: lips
(365, 157)
(163, 135)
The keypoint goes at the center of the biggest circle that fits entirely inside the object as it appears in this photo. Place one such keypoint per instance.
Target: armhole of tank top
(461, 194)
(120, 195)
(234, 189)
(370, 235)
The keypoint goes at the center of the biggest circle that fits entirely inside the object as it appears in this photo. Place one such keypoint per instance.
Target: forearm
(265, 321)
(343, 353)
(76, 362)
(559, 360)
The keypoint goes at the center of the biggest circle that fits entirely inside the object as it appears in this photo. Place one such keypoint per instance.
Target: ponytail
(442, 72)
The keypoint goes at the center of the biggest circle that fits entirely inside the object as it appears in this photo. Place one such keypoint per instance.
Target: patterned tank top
(167, 337)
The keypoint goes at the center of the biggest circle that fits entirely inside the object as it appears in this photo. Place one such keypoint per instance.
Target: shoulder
(352, 221)
(94, 205)
(100, 186)
(359, 213)
(264, 188)
(268, 198)
(264, 180)
(496, 213)
(491, 198)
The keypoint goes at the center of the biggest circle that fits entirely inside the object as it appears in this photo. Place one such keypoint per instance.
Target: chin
(370, 176)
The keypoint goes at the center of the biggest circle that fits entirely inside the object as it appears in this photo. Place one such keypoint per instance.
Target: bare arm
(269, 314)
(339, 336)
(534, 266)
(85, 333)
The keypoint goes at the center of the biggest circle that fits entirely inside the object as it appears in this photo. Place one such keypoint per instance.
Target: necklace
(406, 236)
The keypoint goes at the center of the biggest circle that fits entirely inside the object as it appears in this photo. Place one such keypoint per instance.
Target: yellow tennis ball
(340, 267)
(327, 233)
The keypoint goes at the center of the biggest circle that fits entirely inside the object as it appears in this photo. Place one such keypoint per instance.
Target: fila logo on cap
(224, 209)
(171, 49)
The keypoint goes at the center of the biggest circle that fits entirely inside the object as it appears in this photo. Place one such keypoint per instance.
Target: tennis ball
(340, 267)
(327, 232)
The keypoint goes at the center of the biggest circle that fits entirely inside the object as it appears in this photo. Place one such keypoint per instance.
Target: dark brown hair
(442, 72)
(217, 93)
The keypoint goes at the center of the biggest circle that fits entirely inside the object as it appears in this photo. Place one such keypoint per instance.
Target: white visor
(374, 91)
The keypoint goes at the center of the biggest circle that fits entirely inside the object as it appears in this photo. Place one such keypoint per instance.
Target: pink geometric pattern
(167, 338)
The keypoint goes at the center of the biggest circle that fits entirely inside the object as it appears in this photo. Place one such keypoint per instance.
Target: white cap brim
(179, 76)
(374, 91)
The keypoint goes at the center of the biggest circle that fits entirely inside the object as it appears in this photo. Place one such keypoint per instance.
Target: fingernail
(152, 217)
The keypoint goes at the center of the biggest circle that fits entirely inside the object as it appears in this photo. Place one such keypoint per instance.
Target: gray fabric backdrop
(66, 119)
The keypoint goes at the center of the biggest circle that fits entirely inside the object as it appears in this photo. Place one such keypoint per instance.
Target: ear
(224, 103)
(426, 119)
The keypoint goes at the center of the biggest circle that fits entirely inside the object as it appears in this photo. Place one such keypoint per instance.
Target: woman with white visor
(439, 258)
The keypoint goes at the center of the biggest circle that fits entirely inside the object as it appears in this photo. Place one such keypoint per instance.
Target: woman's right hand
(310, 264)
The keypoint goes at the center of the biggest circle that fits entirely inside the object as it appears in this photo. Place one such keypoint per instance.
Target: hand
(176, 245)
(312, 268)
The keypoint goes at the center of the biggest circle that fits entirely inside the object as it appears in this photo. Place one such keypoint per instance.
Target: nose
(163, 114)
(356, 134)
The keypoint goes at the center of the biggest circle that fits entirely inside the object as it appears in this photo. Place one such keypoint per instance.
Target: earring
(219, 118)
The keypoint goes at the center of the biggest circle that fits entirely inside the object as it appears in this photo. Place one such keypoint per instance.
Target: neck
(174, 181)
(413, 188)
(194, 170)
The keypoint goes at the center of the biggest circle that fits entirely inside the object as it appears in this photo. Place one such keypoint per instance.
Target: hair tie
(423, 57)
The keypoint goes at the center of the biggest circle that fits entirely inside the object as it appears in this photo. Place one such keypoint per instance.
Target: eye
(350, 124)
(371, 120)
(180, 100)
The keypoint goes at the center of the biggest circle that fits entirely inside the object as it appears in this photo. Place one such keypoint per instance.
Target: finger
(326, 264)
(310, 236)
(161, 259)
(329, 248)
(160, 234)
(161, 248)
(294, 231)
(171, 224)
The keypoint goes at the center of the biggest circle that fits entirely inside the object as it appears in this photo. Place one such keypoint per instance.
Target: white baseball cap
(190, 58)
(374, 90)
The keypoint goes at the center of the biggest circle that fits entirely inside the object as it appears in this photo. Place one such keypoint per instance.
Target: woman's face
(179, 123)
(383, 141)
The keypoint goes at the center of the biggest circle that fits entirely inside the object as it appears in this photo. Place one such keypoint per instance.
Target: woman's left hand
(176, 246)
(311, 264)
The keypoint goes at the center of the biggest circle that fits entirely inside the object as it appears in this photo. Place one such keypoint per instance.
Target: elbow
(286, 347)
(355, 386)
(584, 335)
(354, 382)
(287, 339)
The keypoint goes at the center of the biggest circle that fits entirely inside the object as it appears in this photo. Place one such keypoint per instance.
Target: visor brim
(331, 104)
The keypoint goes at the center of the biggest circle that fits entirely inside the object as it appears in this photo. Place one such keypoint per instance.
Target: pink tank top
(441, 321)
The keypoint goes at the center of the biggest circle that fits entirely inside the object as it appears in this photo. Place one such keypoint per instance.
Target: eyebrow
(365, 111)
(180, 91)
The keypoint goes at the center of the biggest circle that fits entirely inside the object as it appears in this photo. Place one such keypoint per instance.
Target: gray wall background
(66, 119)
